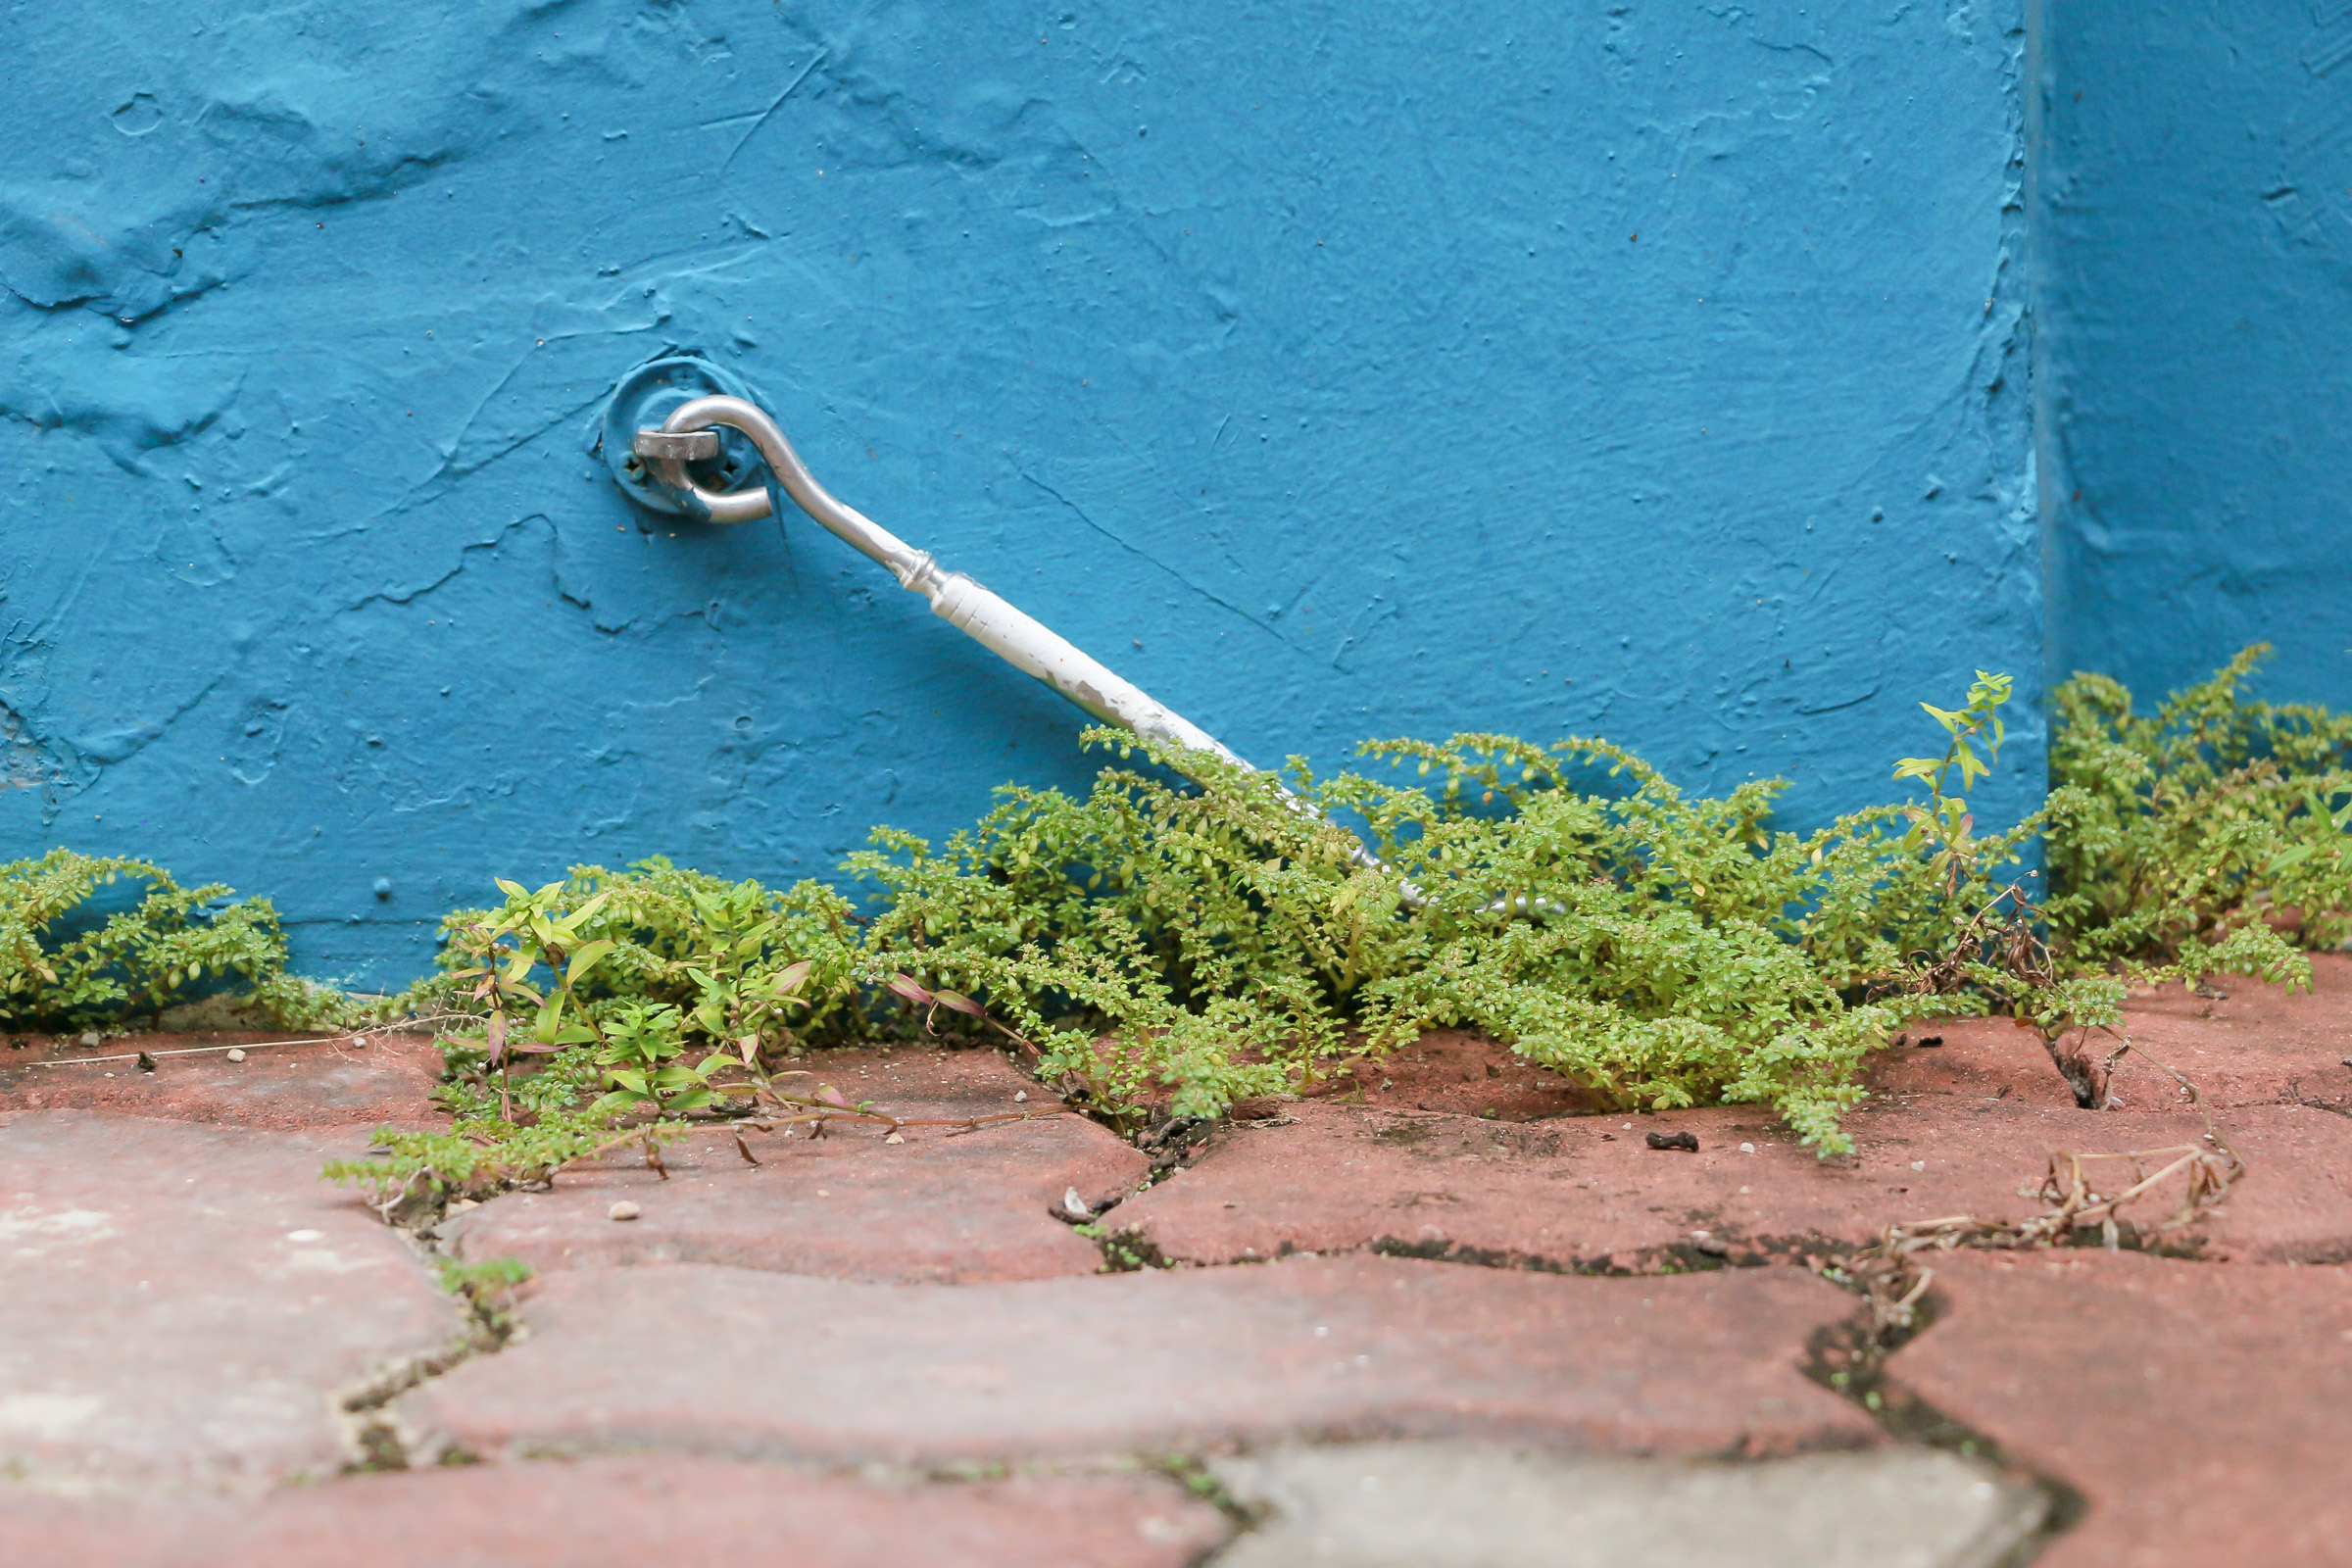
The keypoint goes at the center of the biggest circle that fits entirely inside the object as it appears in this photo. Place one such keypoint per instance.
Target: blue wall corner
(1650, 370)
(2194, 245)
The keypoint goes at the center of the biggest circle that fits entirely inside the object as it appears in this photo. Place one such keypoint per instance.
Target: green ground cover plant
(61, 973)
(2199, 828)
(1190, 934)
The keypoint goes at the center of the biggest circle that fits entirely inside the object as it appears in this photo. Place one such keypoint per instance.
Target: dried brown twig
(1894, 1280)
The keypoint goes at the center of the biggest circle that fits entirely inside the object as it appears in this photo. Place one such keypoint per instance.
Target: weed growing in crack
(488, 1290)
(1124, 1251)
(1199, 1481)
(1850, 1359)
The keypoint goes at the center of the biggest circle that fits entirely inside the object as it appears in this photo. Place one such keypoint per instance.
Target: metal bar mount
(690, 435)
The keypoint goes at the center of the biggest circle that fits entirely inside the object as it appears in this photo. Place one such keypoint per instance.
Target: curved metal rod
(1019, 639)
(845, 521)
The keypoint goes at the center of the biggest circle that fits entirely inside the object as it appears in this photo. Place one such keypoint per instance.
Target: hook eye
(657, 468)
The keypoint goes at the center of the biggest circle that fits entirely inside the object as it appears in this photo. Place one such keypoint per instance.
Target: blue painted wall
(1645, 368)
(2193, 262)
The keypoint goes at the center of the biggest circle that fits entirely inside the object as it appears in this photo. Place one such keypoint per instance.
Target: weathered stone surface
(945, 1205)
(182, 1301)
(730, 1361)
(642, 1508)
(378, 1079)
(1412, 1505)
(1589, 1194)
(2251, 1043)
(2204, 1411)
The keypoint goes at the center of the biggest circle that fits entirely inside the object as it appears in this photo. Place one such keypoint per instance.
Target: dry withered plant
(2083, 1194)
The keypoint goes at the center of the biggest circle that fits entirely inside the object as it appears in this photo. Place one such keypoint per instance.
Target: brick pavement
(1444, 1278)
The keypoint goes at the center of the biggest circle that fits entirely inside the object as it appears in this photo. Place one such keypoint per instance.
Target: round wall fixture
(642, 401)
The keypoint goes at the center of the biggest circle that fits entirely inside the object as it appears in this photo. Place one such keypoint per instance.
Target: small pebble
(1747, 1149)
(895, 1137)
(1072, 1203)
(624, 1210)
(1919, 1165)
(236, 1055)
(90, 1038)
(1020, 1094)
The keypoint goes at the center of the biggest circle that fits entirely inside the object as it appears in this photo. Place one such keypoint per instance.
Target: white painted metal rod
(1019, 639)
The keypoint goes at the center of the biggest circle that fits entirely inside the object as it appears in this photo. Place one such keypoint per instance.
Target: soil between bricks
(713, 1359)
(642, 1508)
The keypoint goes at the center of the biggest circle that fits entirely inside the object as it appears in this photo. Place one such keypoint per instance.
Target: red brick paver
(2204, 1411)
(1591, 1194)
(940, 1207)
(184, 1301)
(351, 1082)
(641, 1508)
(2253, 1044)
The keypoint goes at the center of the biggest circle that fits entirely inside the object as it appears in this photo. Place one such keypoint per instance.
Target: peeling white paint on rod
(1021, 639)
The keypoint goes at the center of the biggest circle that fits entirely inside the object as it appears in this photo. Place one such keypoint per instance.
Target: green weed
(2210, 835)
(1191, 933)
(142, 959)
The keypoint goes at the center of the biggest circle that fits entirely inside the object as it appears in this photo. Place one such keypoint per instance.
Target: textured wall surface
(1645, 368)
(2193, 257)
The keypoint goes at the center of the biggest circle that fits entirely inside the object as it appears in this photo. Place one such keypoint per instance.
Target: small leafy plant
(1191, 933)
(57, 970)
(2210, 835)
(1194, 933)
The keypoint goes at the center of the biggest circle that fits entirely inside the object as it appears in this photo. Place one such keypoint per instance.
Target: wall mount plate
(645, 398)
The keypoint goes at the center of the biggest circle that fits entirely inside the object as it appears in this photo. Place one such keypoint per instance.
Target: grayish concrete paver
(703, 1358)
(1468, 1505)
(184, 1301)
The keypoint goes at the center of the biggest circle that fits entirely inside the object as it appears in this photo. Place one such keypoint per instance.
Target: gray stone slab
(184, 1302)
(1467, 1505)
(703, 1358)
